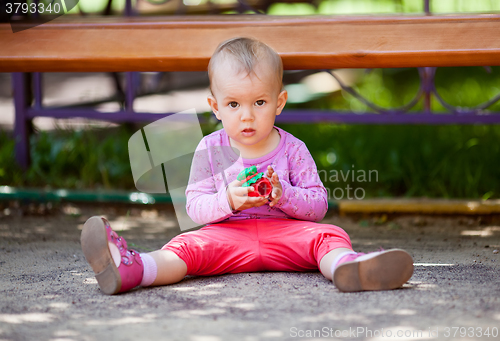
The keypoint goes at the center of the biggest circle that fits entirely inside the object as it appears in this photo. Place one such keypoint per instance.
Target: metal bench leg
(22, 124)
(131, 80)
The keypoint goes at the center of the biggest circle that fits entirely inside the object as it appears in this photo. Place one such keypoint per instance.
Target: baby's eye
(233, 105)
(260, 102)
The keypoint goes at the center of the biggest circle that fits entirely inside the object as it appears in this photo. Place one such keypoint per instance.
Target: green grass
(434, 161)
(453, 161)
(70, 159)
(413, 161)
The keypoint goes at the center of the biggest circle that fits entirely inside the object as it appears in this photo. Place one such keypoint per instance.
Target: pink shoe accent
(350, 257)
(96, 235)
(358, 256)
(131, 267)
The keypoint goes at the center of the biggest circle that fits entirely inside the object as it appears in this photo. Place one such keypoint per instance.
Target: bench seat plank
(180, 43)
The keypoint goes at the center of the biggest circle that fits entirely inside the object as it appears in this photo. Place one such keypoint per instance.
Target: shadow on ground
(48, 291)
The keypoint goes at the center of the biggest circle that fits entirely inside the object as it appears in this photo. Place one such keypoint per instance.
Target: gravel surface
(48, 292)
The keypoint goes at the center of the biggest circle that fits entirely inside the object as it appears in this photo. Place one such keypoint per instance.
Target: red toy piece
(261, 184)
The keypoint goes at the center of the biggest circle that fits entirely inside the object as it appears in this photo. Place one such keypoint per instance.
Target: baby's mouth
(248, 130)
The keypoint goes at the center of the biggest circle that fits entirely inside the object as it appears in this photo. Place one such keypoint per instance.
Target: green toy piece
(250, 175)
(261, 184)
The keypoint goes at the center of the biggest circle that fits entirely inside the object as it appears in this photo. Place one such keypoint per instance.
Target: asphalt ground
(48, 291)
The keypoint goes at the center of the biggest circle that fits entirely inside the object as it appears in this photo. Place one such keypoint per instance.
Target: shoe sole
(95, 247)
(388, 270)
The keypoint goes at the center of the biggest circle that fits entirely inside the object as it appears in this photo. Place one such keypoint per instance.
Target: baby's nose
(247, 114)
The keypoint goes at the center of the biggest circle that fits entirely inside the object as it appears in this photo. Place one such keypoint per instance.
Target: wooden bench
(304, 42)
(180, 43)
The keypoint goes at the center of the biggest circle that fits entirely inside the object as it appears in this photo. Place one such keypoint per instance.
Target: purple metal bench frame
(27, 86)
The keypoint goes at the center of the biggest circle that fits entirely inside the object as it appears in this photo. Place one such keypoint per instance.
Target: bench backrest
(304, 42)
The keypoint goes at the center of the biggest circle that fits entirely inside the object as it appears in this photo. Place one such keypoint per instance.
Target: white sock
(338, 258)
(150, 270)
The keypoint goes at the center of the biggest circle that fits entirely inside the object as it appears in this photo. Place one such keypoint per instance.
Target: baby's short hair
(246, 52)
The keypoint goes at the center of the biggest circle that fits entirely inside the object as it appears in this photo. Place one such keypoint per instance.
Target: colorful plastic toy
(261, 184)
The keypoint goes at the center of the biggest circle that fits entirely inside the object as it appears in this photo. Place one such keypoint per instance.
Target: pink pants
(257, 245)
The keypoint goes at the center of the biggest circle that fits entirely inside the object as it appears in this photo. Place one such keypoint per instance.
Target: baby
(245, 233)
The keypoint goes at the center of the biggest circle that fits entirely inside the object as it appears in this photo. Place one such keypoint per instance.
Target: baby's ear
(211, 101)
(213, 104)
(282, 98)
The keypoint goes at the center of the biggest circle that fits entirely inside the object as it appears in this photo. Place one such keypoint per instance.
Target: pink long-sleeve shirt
(215, 164)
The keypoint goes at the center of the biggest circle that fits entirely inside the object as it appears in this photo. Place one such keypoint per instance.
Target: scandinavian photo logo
(352, 178)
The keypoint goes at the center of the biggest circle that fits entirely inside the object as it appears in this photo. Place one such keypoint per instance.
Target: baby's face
(244, 102)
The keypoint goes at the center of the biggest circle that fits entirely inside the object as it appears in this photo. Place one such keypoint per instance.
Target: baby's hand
(238, 197)
(277, 192)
